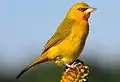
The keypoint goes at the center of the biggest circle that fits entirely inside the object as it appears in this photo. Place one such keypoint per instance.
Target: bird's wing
(61, 33)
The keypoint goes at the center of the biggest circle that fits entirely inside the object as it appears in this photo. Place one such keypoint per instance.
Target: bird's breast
(71, 48)
(73, 45)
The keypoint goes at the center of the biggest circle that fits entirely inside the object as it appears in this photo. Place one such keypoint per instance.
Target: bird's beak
(89, 10)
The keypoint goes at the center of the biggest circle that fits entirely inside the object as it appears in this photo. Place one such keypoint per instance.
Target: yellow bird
(69, 39)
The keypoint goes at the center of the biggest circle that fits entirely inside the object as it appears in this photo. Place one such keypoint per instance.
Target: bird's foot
(67, 65)
(74, 65)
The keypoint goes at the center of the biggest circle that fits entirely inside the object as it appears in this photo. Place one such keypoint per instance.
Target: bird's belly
(70, 49)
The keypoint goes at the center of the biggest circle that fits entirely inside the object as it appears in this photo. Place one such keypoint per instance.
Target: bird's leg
(67, 65)
(74, 64)
(71, 65)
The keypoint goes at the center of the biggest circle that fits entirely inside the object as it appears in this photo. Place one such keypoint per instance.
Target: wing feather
(61, 33)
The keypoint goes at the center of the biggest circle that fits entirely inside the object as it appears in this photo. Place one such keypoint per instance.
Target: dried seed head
(79, 74)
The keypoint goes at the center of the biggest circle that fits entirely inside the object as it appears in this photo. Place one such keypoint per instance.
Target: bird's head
(80, 11)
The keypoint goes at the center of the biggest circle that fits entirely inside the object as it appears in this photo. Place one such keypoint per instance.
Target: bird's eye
(82, 9)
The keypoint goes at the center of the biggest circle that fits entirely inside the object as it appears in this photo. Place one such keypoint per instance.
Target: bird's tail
(41, 59)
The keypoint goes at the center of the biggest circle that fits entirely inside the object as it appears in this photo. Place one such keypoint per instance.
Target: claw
(74, 64)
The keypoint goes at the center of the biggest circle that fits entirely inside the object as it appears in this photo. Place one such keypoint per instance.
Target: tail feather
(37, 61)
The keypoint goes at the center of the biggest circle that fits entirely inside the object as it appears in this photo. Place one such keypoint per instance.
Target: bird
(69, 39)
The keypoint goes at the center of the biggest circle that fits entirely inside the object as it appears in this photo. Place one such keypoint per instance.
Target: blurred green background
(26, 25)
(49, 72)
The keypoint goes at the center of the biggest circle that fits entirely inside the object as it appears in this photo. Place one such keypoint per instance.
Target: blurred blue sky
(25, 25)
